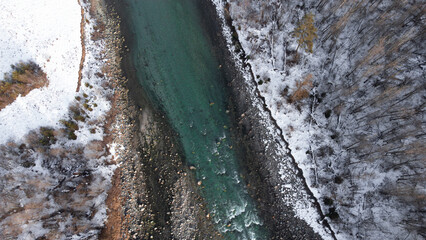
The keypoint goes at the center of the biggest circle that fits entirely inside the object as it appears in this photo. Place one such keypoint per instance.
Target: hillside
(352, 111)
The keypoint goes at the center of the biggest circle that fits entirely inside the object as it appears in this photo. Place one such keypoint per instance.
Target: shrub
(302, 89)
(338, 180)
(48, 136)
(328, 201)
(88, 107)
(79, 118)
(70, 125)
(332, 214)
(72, 136)
(28, 164)
(4, 87)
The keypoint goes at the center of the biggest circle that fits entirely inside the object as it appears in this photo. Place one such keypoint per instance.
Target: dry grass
(24, 78)
(302, 89)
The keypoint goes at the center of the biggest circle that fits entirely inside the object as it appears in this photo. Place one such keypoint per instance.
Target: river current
(176, 65)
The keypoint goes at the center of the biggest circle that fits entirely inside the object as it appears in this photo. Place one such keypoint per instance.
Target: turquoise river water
(176, 66)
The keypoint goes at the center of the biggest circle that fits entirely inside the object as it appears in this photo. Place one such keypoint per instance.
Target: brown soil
(83, 49)
(113, 225)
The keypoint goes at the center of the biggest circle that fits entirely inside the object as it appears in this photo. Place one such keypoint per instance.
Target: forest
(345, 82)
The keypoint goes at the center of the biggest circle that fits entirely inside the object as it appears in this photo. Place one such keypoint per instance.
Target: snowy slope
(49, 34)
(359, 135)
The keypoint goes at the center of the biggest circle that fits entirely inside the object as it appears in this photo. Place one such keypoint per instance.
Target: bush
(302, 89)
(28, 164)
(72, 136)
(48, 136)
(87, 106)
(338, 180)
(327, 113)
(332, 214)
(328, 201)
(79, 118)
(70, 125)
(23, 67)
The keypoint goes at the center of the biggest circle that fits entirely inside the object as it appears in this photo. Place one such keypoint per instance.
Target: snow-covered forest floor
(55, 168)
(352, 110)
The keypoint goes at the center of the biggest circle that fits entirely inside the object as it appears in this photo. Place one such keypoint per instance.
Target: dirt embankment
(83, 49)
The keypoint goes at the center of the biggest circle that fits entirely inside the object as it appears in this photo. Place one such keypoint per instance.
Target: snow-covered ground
(54, 188)
(48, 33)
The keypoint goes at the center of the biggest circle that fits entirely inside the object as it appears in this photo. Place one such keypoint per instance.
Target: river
(176, 65)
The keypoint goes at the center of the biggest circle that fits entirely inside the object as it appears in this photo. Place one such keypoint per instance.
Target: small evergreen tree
(306, 32)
